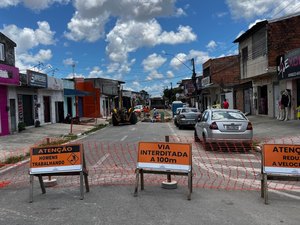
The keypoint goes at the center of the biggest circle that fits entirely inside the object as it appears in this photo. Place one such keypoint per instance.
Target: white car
(228, 128)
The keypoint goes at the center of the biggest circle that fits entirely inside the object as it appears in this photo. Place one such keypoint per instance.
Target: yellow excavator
(123, 115)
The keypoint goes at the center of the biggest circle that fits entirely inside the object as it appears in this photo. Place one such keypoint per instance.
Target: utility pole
(171, 94)
(73, 69)
(194, 82)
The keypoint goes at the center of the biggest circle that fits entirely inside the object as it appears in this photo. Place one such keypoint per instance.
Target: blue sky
(142, 42)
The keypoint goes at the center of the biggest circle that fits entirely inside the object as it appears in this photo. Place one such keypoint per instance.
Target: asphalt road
(110, 154)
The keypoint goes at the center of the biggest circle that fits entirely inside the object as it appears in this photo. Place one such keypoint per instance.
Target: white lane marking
(173, 132)
(133, 128)
(227, 159)
(124, 137)
(246, 181)
(232, 167)
(101, 160)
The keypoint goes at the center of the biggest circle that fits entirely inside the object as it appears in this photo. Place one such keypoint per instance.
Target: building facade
(259, 49)
(9, 79)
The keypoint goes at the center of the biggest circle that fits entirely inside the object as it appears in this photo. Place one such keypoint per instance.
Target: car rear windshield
(189, 110)
(230, 115)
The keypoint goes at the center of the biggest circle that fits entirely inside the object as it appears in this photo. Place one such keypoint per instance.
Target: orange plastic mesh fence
(227, 166)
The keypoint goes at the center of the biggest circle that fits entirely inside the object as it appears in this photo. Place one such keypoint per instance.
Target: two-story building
(259, 49)
(9, 79)
(220, 77)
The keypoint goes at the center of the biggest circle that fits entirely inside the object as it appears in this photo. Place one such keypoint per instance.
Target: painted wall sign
(164, 156)
(284, 159)
(56, 159)
(36, 79)
(288, 65)
(9, 75)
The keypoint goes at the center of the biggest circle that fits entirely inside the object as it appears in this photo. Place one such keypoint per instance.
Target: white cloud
(89, 29)
(8, 3)
(211, 45)
(155, 90)
(181, 59)
(28, 38)
(154, 75)
(32, 4)
(170, 74)
(265, 8)
(126, 9)
(96, 72)
(153, 62)
(128, 36)
(69, 62)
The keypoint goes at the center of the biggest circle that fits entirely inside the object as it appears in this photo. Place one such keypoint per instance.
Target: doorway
(263, 100)
(47, 114)
(13, 121)
(28, 110)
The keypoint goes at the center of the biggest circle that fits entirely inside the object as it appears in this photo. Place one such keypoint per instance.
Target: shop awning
(73, 92)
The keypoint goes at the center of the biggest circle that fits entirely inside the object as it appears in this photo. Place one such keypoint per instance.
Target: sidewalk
(19, 143)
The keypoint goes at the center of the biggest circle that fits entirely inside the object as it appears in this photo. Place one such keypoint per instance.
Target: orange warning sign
(280, 158)
(50, 158)
(156, 154)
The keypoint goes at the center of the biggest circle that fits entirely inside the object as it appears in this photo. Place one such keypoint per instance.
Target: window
(2, 58)
(244, 61)
(259, 44)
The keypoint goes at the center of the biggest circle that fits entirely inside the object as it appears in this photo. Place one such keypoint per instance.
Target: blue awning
(73, 92)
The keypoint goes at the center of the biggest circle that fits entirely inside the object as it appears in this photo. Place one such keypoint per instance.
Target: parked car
(138, 109)
(175, 115)
(224, 127)
(187, 117)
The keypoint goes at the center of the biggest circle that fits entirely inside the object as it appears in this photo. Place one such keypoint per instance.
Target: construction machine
(122, 115)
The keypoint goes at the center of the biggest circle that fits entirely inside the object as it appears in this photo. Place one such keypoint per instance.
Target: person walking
(225, 104)
(286, 103)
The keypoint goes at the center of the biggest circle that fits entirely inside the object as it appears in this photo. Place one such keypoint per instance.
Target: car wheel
(206, 145)
(196, 138)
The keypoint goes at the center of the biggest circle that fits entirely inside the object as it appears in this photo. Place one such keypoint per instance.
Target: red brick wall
(224, 70)
(283, 36)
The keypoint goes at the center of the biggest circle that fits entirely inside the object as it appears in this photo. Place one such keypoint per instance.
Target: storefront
(9, 77)
(28, 97)
(288, 68)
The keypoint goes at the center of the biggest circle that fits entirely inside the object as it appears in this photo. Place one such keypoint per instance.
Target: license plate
(230, 127)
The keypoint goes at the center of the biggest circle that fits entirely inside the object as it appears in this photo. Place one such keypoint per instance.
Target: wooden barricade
(63, 160)
(279, 162)
(164, 158)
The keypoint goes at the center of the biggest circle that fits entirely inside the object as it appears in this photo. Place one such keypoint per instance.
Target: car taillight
(249, 126)
(214, 126)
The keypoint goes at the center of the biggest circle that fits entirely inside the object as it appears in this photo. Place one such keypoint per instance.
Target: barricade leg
(262, 186)
(189, 185)
(31, 189)
(86, 181)
(81, 186)
(142, 179)
(42, 184)
(136, 182)
(265, 180)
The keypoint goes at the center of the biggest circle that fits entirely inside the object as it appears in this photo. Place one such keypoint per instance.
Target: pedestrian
(286, 103)
(225, 104)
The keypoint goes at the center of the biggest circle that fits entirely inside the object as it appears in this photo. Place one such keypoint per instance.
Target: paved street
(226, 186)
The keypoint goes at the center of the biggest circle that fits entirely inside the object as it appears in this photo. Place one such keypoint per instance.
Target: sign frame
(274, 169)
(168, 168)
(39, 168)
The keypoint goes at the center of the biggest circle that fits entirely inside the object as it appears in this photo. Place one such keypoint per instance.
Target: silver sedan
(227, 128)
